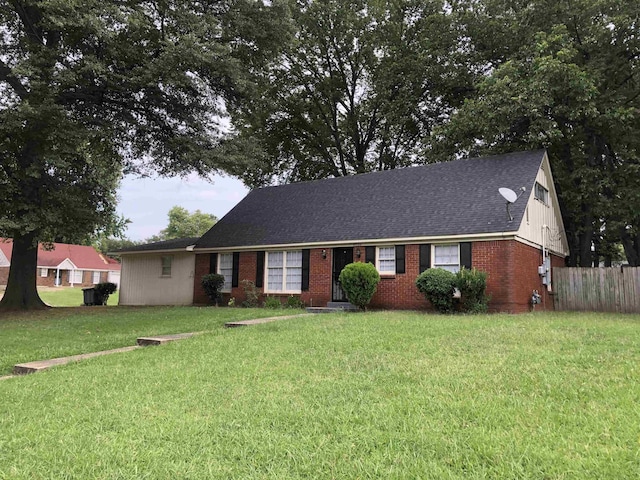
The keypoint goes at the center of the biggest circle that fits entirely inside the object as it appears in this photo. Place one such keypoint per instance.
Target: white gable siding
(142, 283)
(542, 224)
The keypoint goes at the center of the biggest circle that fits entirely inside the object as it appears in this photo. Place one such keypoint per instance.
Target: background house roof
(174, 244)
(452, 198)
(83, 257)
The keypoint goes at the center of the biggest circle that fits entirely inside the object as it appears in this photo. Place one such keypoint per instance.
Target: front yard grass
(375, 395)
(60, 332)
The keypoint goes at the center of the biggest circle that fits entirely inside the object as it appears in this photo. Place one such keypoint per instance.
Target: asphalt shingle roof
(173, 244)
(452, 198)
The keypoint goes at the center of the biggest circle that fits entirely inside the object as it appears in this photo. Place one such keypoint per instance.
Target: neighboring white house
(159, 273)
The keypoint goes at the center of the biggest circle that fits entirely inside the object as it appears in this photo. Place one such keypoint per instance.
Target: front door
(341, 258)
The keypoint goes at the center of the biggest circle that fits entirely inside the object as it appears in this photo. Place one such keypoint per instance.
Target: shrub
(103, 290)
(272, 302)
(251, 294)
(294, 302)
(359, 282)
(438, 286)
(212, 284)
(472, 285)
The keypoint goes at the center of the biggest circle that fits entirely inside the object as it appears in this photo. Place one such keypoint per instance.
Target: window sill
(266, 292)
(387, 276)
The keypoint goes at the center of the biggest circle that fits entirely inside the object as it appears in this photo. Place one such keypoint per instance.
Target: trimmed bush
(472, 285)
(438, 285)
(359, 282)
(212, 284)
(103, 290)
(251, 294)
(272, 302)
(294, 302)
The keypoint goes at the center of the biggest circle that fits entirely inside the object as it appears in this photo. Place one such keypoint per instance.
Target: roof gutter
(370, 241)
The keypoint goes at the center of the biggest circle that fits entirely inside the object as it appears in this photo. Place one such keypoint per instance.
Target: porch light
(324, 253)
(358, 252)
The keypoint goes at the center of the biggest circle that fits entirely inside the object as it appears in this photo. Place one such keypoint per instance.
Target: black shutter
(213, 263)
(235, 269)
(465, 255)
(399, 258)
(425, 257)
(306, 254)
(260, 269)
(370, 255)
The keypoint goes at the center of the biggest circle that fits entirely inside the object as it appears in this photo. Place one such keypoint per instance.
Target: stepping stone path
(33, 367)
(257, 321)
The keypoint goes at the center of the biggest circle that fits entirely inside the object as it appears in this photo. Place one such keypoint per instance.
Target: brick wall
(49, 280)
(399, 291)
(511, 288)
(4, 275)
(512, 269)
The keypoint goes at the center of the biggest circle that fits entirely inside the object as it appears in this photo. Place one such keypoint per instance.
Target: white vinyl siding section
(386, 260)
(446, 257)
(284, 272)
(225, 268)
(542, 223)
(140, 283)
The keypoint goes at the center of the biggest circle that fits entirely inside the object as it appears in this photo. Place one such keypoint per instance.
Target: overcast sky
(146, 201)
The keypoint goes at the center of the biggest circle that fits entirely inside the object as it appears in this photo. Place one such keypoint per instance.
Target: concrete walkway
(33, 367)
(257, 321)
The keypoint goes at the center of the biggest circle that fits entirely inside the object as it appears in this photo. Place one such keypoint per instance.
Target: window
(166, 265)
(225, 268)
(541, 194)
(284, 271)
(386, 260)
(447, 257)
(96, 277)
(75, 276)
(44, 272)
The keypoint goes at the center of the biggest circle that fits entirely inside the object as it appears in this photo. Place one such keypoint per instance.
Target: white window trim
(219, 271)
(44, 272)
(433, 255)
(93, 277)
(265, 281)
(386, 273)
(162, 274)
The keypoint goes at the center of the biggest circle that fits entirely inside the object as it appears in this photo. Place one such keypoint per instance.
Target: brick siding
(512, 269)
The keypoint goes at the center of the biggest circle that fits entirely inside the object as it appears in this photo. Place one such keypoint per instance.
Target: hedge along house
(159, 273)
(295, 239)
(65, 265)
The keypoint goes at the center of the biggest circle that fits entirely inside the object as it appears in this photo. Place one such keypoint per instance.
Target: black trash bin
(90, 297)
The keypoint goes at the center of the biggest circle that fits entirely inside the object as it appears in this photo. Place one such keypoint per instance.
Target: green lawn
(376, 395)
(66, 296)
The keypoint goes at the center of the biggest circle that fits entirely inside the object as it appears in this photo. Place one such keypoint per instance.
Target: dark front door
(341, 258)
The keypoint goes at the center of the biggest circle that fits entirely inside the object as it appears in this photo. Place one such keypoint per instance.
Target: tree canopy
(184, 224)
(358, 88)
(561, 76)
(91, 90)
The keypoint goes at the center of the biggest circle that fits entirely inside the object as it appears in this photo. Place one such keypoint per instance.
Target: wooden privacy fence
(614, 289)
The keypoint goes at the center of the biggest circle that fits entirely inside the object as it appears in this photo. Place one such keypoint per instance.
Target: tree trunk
(21, 293)
(631, 245)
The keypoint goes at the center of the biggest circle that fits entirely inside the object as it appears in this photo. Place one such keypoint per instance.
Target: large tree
(358, 88)
(92, 89)
(183, 223)
(562, 76)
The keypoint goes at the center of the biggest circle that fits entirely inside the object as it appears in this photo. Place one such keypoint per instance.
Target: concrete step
(342, 306)
(162, 339)
(33, 367)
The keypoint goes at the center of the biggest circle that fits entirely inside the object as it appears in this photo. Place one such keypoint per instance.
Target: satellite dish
(509, 195)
